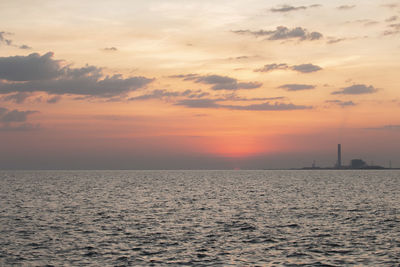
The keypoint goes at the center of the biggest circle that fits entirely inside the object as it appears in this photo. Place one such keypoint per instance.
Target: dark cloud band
(266, 106)
(219, 82)
(42, 73)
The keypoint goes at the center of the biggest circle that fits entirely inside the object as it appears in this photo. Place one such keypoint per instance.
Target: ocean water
(199, 218)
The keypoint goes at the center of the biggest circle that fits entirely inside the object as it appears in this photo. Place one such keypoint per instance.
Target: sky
(190, 84)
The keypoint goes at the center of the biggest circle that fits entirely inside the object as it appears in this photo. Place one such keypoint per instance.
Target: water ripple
(200, 218)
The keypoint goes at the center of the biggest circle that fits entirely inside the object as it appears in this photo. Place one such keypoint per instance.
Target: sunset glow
(198, 84)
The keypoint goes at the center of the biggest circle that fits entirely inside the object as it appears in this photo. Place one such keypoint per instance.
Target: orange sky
(198, 84)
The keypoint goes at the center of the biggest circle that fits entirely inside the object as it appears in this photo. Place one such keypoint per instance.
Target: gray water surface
(213, 218)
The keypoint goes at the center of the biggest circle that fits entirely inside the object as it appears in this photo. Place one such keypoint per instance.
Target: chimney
(339, 156)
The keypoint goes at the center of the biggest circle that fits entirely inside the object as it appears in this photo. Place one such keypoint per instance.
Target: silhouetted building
(357, 164)
(339, 156)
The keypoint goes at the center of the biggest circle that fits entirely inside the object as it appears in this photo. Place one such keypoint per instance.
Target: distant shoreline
(350, 169)
(278, 169)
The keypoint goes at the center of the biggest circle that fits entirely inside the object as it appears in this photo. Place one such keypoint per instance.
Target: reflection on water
(211, 218)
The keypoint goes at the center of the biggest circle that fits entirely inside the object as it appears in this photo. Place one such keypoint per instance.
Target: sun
(236, 147)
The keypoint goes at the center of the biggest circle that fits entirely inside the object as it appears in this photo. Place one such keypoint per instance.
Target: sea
(200, 218)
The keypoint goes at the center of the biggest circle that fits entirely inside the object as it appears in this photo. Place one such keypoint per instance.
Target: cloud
(346, 7)
(239, 58)
(86, 85)
(364, 22)
(25, 47)
(284, 33)
(9, 42)
(391, 6)
(269, 107)
(19, 127)
(212, 103)
(42, 73)
(334, 40)
(31, 67)
(271, 67)
(159, 94)
(110, 49)
(371, 23)
(215, 79)
(341, 103)
(393, 29)
(391, 19)
(288, 8)
(4, 40)
(16, 120)
(9, 116)
(198, 103)
(219, 82)
(54, 99)
(304, 68)
(356, 89)
(297, 87)
(234, 97)
(196, 97)
(391, 127)
(17, 98)
(185, 77)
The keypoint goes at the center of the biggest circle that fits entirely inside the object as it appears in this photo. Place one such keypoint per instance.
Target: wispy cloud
(110, 49)
(289, 8)
(297, 87)
(234, 97)
(390, 127)
(393, 29)
(346, 7)
(273, 66)
(22, 127)
(8, 42)
(15, 120)
(392, 18)
(54, 99)
(160, 94)
(17, 98)
(341, 103)
(303, 68)
(391, 5)
(334, 40)
(266, 106)
(219, 82)
(284, 33)
(4, 39)
(26, 47)
(364, 22)
(356, 89)
(198, 103)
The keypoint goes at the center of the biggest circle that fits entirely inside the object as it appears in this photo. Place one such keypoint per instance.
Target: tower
(339, 156)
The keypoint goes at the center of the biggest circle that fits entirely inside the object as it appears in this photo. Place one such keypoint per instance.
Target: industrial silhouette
(339, 157)
(355, 164)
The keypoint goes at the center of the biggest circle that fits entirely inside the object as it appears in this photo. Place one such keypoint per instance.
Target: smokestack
(339, 156)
